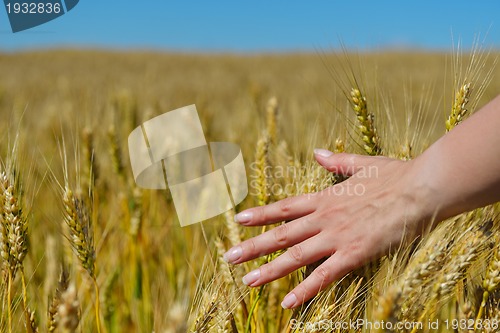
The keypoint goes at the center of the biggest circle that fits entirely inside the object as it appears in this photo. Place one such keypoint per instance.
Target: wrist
(428, 200)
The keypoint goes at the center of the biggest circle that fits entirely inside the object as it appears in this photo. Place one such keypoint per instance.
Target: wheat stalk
(460, 259)
(262, 165)
(4, 238)
(405, 152)
(398, 301)
(459, 109)
(233, 229)
(339, 146)
(491, 280)
(137, 215)
(52, 314)
(116, 152)
(89, 155)
(69, 310)
(15, 226)
(77, 218)
(109, 307)
(272, 115)
(203, 321)
(224, 268)
(32, 326)
(14, 239)
(80, 230)
(366, 125)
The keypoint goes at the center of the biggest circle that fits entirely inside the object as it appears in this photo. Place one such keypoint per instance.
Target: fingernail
(289, 301)
(243, 217)
(322, 152)
(251, 277)
(233, 254)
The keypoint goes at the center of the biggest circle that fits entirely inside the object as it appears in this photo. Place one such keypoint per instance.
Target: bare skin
(395, 201)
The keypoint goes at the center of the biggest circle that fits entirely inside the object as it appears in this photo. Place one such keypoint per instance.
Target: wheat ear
(262, 170)
(32, 326)
(80, 230)
(62, 285)
(339, 146)
(77, 218)
(69, 310)
(14, 239)
(459, 110)
(366, 125)
(203, 321)
(491, 281)
(271, 116)
(14, 226)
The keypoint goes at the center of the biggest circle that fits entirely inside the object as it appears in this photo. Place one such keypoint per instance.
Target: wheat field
(84, 250)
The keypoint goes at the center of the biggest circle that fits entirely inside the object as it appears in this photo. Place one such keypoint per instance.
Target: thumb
(343, 164)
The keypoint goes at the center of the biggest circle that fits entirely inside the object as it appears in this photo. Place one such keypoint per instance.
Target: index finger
(283, 210)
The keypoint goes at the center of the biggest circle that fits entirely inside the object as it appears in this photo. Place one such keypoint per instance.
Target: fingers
(286, 209)
(343, 163)
(273, 240)
(299, 255)
(332, 269)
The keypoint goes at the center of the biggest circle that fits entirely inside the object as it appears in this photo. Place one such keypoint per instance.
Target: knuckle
(281, 234)
(261, 213)
(306, 222)
(355, 253)
(339, 157)
(302, 292)
(345, 163)
(250, 247)
(267, 271)
(322, 275)
(296, 253)
(355, 259)
(285, 206)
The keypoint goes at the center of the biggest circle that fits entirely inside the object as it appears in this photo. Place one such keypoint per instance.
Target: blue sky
(256, 26)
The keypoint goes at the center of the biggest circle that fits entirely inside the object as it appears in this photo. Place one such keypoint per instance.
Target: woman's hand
(351, 223)
(384, 202)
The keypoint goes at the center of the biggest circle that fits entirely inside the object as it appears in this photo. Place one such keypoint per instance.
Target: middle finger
(283, 236)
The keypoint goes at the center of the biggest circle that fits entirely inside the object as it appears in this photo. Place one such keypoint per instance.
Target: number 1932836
(33, 8)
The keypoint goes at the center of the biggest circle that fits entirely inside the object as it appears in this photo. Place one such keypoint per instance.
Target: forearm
(461, 171)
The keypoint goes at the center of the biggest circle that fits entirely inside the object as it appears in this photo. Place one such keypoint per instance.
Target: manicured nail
(289, 301)
(243, 217)
(251, 277)
(322, 152)
(233, 254)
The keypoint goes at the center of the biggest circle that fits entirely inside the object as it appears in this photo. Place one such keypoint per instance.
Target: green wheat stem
(97, 306)
(486, 294)
(25, 302)
(254, 305)
(9, 300)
